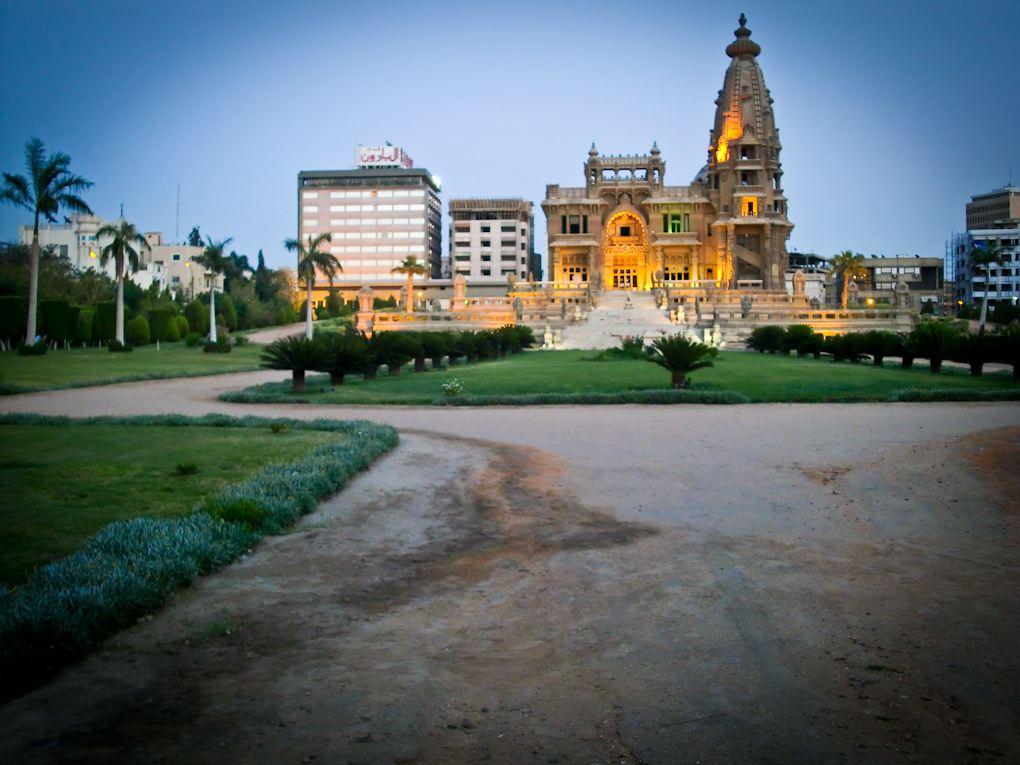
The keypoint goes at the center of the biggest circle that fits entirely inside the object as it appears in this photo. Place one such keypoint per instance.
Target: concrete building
(377, 214)
(167, 265)
(994, 219)
(996, 209)
(491, 239)
(626, 229)
(925, 278)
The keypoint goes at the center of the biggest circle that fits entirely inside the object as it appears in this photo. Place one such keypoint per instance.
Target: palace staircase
(610, 319)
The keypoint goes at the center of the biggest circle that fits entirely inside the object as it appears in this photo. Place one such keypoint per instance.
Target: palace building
(626, 229)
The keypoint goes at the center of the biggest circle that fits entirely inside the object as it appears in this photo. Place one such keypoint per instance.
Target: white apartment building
(491, 239)
(377, 215)
(168, 265)
(993, 217)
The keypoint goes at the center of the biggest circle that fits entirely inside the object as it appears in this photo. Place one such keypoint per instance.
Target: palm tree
(849, 266)
(49, 187)
(215, 263)
(122, 236)
(984, 256)
(680, 356)
(412, 268)
(311, 259)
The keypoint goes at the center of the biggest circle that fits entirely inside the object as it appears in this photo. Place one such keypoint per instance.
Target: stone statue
(547, 336)
(511, 281)
(364, 321)
(716, 335)
(852, 291)
(681, 314)
(627, 303)
(577, 312)
(903, 294)
(459, 292)
(799, 281)
(745, 306)
(815, 304)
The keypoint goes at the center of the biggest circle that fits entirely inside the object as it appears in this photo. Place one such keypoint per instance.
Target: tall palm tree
(312, 258)
(214, 262)
(681, 356)
(48, 187)
(122, 237)
(984, 256)
(411, 268)
(849, 266)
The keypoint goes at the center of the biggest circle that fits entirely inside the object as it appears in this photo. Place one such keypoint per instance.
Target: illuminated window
(750, 206)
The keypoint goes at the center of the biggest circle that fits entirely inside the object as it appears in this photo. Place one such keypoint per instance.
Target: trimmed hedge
(136, 331)
(160, 320)
(86, 320)
(58, 320)
(104, 326)
(954, 394)
(13, 318)
(664, 396)
(68, 607)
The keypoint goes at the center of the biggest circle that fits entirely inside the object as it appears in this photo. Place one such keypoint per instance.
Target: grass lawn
(61, 484)
(759, 377)
(97, 366)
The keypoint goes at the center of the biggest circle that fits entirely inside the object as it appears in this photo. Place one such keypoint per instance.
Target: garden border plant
(129, 568)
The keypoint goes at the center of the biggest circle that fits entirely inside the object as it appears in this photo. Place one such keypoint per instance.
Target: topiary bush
(83, 330)
(796, 338)
(173, 332)
(934, 340)
(104, 326)
(136, 331)
(192, 339)
(160, 320)
(973, 350)
(13, 318)
(58, 320)
(197, 314)
(183, 327)
(767, 339)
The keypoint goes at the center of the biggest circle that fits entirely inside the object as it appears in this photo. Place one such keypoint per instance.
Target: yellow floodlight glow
(871, 301)
(187, 263)
(92, 254)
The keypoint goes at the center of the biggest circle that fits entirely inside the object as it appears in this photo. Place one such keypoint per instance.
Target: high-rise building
(491, 239)
(993, 219)
(377, 214)
(625, 228)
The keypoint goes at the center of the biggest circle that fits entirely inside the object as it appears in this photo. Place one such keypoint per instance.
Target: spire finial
(593, 152)
(743, 46)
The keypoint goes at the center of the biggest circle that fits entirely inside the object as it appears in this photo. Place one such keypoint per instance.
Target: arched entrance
(625, 252)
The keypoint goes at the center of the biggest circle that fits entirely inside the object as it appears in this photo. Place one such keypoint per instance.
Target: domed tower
(744, 174)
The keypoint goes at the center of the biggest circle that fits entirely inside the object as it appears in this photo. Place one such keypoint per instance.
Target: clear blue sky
(891, 113)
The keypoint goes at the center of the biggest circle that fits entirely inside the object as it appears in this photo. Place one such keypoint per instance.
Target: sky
(891, 114)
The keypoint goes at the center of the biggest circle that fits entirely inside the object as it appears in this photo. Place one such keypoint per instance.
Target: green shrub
(226, 308)
(116, 346)
(104, 326)
(83, 332)
(665, 396)
(934, 340)
(222, 345)
(768, 339)
(379, 303)
(345, 353)
(680, 356)
(844, 347)
(799, 339)
(183, 327)
(192, 339)
(185, 468)
(322, 313)
(1006, 348)
(35, 349)
(954, 394)
(299, 355)
(286, 314)
(160, 320)
(335, 304)
(136, 331)
(394, 349)
(13, 318)
(973, 350)
(244, 511)
(435, 345)
(197, 314)
(58, 320)
(240, 340)
(173, 332)
(878, 344)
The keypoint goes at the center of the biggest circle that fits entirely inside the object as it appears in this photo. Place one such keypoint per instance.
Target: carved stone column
(731, 265)
(365, 319)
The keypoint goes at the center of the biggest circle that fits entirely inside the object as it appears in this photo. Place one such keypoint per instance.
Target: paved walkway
(768, 583)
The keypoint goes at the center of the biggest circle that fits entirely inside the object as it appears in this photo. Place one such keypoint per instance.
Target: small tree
(410, 267)
(878, 344)
(849, 266)
(934, 340)
(395, 349)
(346, 352)
(680, 356)
(214, 262)
(982, 257)
(975, 351)
(299, 355)
(123, 237)
(312, 258)
(49, 187)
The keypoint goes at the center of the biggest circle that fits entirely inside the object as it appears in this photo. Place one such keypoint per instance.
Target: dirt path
(591, 585)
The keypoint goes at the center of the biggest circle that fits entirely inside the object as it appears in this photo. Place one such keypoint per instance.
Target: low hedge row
(664, 396)
(128, 569)
(954, 394)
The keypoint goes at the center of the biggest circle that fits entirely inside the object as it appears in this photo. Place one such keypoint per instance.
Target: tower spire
(743, 46)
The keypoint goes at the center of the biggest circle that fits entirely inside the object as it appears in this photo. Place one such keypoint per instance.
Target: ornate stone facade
(626, 229)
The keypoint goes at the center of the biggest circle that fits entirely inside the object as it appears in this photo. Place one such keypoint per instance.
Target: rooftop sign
(382, 156)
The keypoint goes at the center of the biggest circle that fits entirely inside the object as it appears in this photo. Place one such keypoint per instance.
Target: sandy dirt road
(774, 583)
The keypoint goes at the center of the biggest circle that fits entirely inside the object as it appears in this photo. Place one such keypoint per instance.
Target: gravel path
(768, 583)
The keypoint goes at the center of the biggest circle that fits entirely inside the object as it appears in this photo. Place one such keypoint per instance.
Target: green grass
(762, 378)
(62, 484)
(97, 366)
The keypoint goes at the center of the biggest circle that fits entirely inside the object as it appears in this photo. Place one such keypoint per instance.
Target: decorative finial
(743, 46)
(742, 20)
(655, 147)
(593, 152)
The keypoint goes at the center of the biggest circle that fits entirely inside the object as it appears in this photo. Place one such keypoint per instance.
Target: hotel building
(491, 239)
(377, 214)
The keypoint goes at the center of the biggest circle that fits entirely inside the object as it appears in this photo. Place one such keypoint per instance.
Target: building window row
(377, 221)
(375, 208)
(379, 235)
(411, 249)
